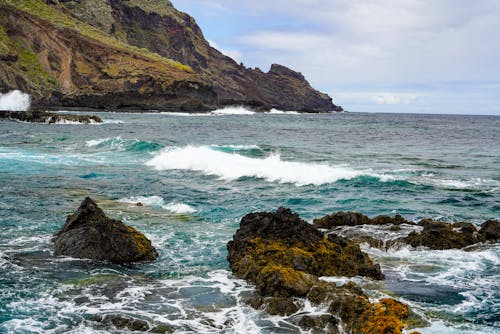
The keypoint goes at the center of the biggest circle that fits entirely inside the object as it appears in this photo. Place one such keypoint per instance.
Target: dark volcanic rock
(89, 234)
(490, 230)
(355, 219)
(385, 231)
(46, 117)
(439, 235)
(283, 255)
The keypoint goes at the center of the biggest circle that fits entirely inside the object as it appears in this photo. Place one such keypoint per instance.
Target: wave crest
(232, 166)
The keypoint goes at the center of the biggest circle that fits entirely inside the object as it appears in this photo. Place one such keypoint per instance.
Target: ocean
(197, 175)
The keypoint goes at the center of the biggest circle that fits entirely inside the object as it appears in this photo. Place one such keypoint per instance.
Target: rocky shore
(385, 231)
(48, 117)
(284, 257)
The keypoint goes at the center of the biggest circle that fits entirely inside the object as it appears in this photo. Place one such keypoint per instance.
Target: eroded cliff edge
(127, 54)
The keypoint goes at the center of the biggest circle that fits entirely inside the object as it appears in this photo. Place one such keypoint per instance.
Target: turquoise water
(198, 175)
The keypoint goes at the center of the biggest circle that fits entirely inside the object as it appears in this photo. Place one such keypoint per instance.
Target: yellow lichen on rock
(385, 317)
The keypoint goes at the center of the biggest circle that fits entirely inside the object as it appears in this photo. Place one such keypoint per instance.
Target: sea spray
(15, 101)
(232, 166)
(233, 111)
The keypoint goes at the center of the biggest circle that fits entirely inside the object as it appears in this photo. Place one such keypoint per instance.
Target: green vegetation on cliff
(24, 65)
(61, 21)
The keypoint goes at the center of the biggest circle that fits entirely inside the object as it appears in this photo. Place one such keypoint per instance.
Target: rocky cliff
(134, 55)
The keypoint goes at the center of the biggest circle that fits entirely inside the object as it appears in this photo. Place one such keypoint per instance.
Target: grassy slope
(55, 17)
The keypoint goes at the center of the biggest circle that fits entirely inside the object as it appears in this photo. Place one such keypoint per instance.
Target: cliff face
(129, 54)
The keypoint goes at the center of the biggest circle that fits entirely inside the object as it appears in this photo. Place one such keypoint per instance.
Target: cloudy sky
(427, 56)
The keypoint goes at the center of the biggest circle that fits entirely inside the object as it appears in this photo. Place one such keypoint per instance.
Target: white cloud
(235, 54)
(394, 98)
(342, 45)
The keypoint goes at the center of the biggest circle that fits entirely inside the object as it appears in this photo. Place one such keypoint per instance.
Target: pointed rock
(90, 234)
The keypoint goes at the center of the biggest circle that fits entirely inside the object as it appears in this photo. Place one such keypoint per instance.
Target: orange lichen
(385, 317)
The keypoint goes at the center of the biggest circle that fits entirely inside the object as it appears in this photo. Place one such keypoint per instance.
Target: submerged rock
(89, 234)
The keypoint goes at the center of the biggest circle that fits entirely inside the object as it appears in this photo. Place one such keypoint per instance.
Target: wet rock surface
(89, 234)
(385, 231)
(284, 257)
(283, 254)
(48, 118)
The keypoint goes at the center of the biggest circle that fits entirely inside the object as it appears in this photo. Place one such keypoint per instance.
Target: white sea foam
(179, 208)
(232, 166)
(158, 202)
(97, 142)
(233, 111)
(283, 112)
(183, 114)
(15, 101)
(68, 122)
(236, 147)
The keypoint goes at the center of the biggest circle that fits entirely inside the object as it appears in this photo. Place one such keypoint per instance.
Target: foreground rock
(48, 118)
(284, 257)
(385, 231)
(89, 234)
(283, 254)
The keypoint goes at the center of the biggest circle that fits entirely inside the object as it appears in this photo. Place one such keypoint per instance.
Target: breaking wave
(15, 101)
(232, 166)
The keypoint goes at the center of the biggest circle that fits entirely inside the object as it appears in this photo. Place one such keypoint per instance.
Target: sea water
(197, 175)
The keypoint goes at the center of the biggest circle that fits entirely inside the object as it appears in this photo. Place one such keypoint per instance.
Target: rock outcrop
(63, 62)
(48, 118)
(89, 234)
(284, 256)
(397, 231)
(128, 54)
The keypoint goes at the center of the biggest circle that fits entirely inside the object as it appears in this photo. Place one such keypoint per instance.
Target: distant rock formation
(48, 118)
(128, 54)
(89, 234)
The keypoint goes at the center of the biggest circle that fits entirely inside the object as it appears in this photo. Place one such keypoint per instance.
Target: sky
(418, 56)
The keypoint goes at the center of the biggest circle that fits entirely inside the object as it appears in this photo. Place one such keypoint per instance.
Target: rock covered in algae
(284, 256)
(90, 234)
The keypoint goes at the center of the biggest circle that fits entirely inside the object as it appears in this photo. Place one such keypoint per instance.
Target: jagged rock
(355, 219)
(283, 255)
(89, 234)
(274, 305)
(490, 230)
(121, 322)
(397, 231)
(320, 324)
(47, 117)
(439, 235)
(349, 304)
